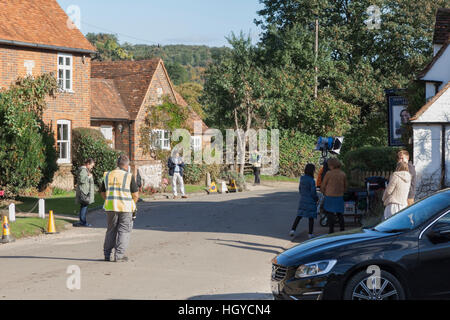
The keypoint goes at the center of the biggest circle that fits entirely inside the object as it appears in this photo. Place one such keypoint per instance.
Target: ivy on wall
(167, 116)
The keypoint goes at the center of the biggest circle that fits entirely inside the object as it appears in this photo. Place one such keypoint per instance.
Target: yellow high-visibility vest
(118, 193)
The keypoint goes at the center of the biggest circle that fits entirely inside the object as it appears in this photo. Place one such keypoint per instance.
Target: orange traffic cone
(6, 234)
(51, 223)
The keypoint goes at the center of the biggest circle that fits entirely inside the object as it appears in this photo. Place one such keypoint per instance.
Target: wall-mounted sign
(398, 116)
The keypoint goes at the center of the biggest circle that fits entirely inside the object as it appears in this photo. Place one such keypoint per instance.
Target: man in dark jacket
(403, 155)
(176, 172)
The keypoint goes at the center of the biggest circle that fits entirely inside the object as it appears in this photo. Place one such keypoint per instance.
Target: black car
(404, 257)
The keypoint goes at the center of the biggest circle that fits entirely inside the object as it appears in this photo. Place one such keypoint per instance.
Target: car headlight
(315, 268)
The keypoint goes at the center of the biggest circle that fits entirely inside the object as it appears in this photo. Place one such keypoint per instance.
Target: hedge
(27, 152)
(371, 159)
(296, 151)
(90, 143)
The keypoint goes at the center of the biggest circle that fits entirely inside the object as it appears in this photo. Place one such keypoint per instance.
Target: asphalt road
(205, 247)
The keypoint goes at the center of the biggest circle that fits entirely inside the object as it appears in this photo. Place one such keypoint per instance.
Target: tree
(235, 88)
(356, 62)
(27, 146)
(177, 73)
(192, 92)
(108, 47)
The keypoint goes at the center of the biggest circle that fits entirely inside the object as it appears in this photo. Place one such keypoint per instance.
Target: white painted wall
(440, 70)
(439, 111)
(436, 48)
(427, 158)
(447, 156)
(430, 90)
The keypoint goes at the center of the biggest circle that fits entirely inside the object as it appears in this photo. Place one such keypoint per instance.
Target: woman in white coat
(395, 197)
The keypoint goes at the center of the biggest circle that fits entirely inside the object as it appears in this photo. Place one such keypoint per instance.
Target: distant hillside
(183, 62)
(195, 56)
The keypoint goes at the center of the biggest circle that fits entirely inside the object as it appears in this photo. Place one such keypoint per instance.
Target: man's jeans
(83, 212)
(177, 179)
(118, 233)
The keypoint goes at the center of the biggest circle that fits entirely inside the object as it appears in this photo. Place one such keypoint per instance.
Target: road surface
(205, 247)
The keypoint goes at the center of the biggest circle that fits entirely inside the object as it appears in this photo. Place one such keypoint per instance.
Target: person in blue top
(307, 207)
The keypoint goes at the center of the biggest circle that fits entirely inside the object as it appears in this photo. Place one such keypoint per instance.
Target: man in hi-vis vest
(120, 191)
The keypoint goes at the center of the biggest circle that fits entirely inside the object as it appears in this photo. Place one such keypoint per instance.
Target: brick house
(35, 38)
(122, 91)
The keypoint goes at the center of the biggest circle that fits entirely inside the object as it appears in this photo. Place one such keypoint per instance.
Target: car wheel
(384, 287)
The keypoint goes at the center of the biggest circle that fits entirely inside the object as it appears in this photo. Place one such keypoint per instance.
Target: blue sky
(204, 22)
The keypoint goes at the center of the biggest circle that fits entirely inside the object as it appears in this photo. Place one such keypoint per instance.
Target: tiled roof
(430, 103)
(106, 102)
(442, 27)
(131, 78)
(39, 22)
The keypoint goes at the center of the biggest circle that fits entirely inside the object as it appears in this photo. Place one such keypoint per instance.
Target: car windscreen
(415, 215)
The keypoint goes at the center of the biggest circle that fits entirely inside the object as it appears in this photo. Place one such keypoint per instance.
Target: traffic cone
(51, 223)
(6, 234)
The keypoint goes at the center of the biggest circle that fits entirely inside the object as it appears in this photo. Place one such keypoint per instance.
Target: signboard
(398, 117)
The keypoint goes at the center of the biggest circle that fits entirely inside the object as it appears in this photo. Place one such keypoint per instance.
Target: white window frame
(196, 143)
(65, 68)
(161, 142)
(68, 141)
(110, 128)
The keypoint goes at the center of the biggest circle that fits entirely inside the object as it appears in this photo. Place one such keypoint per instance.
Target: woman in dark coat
(307, 207)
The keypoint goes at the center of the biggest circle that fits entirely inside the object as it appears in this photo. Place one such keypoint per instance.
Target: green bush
(90, 143)
(371, 159)
(50, 166)
(229, 175)
(194, 173)
(27, 154)
(296, 151)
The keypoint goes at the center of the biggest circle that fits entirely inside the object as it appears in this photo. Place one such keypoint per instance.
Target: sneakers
(123, 259)
(292, 233)
(81, 225)
(184, 197)
(108, 258)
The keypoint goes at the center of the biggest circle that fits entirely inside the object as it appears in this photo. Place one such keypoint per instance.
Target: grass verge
(61, 204)
(30, 226)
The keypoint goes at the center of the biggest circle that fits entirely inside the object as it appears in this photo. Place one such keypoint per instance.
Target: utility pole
(316, 59)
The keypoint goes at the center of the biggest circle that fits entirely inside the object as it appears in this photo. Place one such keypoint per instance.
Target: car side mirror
(439, 233)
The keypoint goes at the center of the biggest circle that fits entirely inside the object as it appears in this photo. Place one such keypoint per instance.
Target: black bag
(84, 198)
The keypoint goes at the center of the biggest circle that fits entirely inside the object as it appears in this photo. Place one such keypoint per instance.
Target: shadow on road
(249, 245)
(49, 258)
(265, 214)
(234, 296)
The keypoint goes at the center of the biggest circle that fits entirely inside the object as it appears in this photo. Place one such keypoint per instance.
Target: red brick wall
(121, 139)
(159, 81)
(66, 106)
